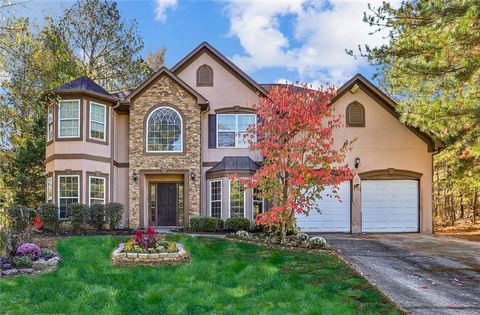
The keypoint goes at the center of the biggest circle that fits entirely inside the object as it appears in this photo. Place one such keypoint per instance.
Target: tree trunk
(475, 204)
(462, 208)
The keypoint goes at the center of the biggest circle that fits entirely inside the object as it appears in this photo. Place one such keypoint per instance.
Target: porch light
(192, 175)
(357, 162)
(135, 176)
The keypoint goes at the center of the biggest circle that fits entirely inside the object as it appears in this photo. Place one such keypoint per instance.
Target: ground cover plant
(223, 277)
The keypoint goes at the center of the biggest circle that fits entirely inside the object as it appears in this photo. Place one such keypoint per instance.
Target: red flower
(37, 222)
(150, 231)
(138, 235)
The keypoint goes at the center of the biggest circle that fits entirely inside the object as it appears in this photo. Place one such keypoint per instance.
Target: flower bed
(149, 249)
(300, 240)
(29, 259)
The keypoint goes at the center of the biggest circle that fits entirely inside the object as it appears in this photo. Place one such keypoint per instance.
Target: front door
(167, 204)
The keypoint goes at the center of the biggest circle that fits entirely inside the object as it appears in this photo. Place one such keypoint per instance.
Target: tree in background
(431, 66)
(156, 59)
(89, 38)
(295, 135)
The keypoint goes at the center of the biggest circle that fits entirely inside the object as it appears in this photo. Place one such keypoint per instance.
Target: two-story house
(166, 149)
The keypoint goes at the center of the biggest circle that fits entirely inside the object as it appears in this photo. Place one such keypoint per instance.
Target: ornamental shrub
(206, 224)
(22, 261)
(113, 214)
(21, 218)
(28, 249)
(237, 223)
(97, 216)
(77, 214)
(49, 214)
(47, 253)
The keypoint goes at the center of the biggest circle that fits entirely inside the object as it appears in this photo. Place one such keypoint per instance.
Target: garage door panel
(334, 216)
(390, 206)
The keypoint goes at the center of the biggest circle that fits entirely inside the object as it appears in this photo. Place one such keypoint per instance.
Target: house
(166, 149)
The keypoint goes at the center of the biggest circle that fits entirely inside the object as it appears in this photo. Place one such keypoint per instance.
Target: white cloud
(161, 8)
(321, 30)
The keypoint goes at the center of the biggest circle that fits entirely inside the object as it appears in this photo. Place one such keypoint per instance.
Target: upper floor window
(355, 115)
(50, 123)
(204, 76)
(69, 119)
(98, 121)
(164, 130)
(68, 192)
(232, 129)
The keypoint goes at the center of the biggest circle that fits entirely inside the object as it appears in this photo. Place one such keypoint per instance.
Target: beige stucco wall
(163, 91)
(227, 91)
(385, 143)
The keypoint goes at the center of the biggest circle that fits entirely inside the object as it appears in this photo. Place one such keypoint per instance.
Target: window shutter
(212, 131)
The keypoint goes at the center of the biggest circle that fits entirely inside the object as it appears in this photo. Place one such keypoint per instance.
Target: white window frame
(229, 201)
(49, 189)
(181, 131)
(210, 196)
(236, 131)
(104, 122)
(58, 192)
(50, 134)
(253, 202)
(79, 120)
(90, 189)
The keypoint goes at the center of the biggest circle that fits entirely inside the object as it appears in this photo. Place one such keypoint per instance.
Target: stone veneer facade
(164, 91)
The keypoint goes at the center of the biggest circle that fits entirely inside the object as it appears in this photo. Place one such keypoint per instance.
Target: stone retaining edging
(120, 258)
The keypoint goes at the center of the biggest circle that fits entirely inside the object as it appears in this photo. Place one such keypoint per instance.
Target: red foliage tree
(295, 135)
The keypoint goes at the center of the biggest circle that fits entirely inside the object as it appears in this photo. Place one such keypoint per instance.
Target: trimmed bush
(22, 261)
(237, 224)
(113, 214)
(97, 216)
(49, 214)
(206, 224)
(77, 214)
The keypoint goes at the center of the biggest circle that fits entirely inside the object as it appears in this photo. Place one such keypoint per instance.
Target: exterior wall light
(357, 162)
(135, 176)
(192, 175)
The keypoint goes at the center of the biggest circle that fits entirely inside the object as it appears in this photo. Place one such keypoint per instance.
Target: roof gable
(385, 101)
(163, 70)
(222, 60)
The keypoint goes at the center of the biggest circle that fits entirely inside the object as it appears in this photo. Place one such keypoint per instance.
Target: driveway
(423, 274)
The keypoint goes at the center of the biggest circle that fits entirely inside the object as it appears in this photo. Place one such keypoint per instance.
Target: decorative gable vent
(205, 76)
(355, 115)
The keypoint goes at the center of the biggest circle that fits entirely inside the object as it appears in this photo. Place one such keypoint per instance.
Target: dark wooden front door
(167, 204)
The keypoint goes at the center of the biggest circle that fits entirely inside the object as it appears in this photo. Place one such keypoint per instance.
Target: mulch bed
(280, 246)
(89, 232)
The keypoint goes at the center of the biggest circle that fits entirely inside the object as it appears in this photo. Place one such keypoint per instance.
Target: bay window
(49, 189)
(68, 192)
(96, 188)
(69, 119)
(232, 128)
(258, 203)
(97, 121)
(49, 124)
(216, 198)
(237, 199)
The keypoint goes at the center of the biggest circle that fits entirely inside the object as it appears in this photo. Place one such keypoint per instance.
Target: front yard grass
(224, 277)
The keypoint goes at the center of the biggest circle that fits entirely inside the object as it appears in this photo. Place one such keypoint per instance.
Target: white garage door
(334, 216)
(389, 206)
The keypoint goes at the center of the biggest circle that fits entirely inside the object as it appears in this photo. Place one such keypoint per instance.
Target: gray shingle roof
(83, 83)
(232, 164)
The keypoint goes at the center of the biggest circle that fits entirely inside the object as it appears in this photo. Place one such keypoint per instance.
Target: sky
(271, 40)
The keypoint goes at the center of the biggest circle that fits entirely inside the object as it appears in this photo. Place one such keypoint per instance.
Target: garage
(334, 216)
(390, 206)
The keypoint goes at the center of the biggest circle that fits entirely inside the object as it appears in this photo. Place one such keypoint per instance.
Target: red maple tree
(294, 133)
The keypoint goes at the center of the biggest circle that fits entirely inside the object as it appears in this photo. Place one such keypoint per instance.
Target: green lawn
(224, 277)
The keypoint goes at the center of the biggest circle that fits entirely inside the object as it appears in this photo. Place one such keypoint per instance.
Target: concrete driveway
(423, 274)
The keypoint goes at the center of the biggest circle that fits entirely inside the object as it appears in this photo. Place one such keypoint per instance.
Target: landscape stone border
(38, 267)
(121, 258)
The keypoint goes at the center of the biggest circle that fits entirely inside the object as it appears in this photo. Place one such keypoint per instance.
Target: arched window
(204, 76)
(355, 115)
(164, 130)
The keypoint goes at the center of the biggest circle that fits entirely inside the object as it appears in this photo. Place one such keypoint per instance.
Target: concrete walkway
(423, 274)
